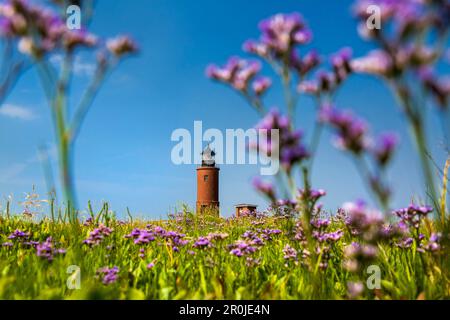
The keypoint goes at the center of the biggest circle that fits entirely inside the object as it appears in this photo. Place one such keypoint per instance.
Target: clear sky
(123, 152)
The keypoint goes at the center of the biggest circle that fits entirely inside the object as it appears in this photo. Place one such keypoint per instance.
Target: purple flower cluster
(413, 214)
(47, 249)
(289, 253)
(203, 242)
(97, 235)
(150, 233)
(141, 236)
(39, 31)
(358, 255)
(369, 224)
(385, 148)
(109, 275)
(242, 248)
(351, 131)
(403, 46)
(326, 82)
(241, 75)
(266, 188)
(311, 195)
(439, 87)
(433, 245)
(279, 36)
(291, 150)
(19, 235)
(320, 233)
(267, 234)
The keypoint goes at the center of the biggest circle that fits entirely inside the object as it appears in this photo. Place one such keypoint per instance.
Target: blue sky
(123, 152)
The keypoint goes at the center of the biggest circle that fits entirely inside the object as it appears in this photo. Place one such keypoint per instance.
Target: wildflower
(47, 250)
(355, 289)
(76, 38)
(89, 221)
(312, 194)
(238, 73)
(333, 236)
(261, 85)
(385, 148)
(309, 86)
(320, 223)
(306, 64)
(289, 145)
(413, 214)
(202, 242)
(376, 62)
(265, 188)
(351, 132)
(18, 234)
(281, 32)
(369, 224)
(251, 262)
(109, 275)
(439, 88)
(217, 236)
(97, 235)
(341, 64)
(7, 244)
(433, 244)
(289, 253)
(405, 243)
(121, 45)
(237, 252)
(150, 266)
(241, 248)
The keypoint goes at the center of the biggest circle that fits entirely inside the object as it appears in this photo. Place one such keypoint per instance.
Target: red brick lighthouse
(208, 184)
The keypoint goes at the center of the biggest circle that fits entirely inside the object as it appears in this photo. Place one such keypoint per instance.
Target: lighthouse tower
(208, 183)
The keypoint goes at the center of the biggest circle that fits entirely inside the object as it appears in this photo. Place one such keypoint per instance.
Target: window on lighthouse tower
(205, 178)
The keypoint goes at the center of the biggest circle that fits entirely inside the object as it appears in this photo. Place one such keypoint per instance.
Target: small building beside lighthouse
(208, 184)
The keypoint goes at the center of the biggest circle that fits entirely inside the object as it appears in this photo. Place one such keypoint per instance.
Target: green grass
(211, 273)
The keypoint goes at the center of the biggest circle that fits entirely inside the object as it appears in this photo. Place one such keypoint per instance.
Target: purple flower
(385, 148)
(312, 195)
(47, 250)
(19, 235)
(109, 275)
(320, 223)
(433, 244)
(341, 64)
(439, 88)
(377, 62)
(351, 132)
(78, 38)
(289, 253)
(265, 188)
(237, 252)
(291, 150)
(202, 242)
(97, 235)
(241, 248)
(280, 33)
(355, 289)
(121, 45)
(237, 73)
(306, 64)
(413, 214)
(309, 86)
(261, 85)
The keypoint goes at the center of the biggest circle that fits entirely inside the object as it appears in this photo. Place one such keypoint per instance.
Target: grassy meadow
(189, 257)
